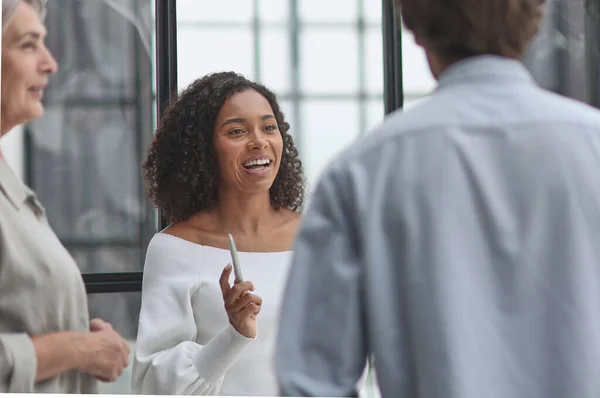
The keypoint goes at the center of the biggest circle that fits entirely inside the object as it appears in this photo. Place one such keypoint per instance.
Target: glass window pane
(96, 46)
(328, 10)
(372, 10)
(557, 55)
(329, 61)
(275, 59)
(205, 50)
(375, 114)
(374, 60)
(110, 258)
(416, 76)
(222, 10)
(122, 311)
(85, 164)
(274, 10)
(288, 110)
(83, 156)
(327, 128)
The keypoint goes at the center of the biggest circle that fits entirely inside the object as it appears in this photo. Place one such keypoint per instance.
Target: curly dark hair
(181, 166)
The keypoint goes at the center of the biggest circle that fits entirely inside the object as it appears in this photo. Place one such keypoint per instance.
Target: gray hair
(10, 6)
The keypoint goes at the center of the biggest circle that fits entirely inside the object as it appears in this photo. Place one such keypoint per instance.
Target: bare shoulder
(291, 218)
(199, 229)
(290, 223)
(182, 230)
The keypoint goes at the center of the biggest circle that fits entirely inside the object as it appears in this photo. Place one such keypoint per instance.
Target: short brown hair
(457, 29)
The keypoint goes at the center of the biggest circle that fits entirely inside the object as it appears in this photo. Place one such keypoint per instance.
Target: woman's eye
(271, 127)
(236, 131)
(29, 46)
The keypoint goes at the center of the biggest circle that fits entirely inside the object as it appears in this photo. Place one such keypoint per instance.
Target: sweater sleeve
(18, 363)
(167, 359)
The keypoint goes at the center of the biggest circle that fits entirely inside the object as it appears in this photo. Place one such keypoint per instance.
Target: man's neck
(437, 64)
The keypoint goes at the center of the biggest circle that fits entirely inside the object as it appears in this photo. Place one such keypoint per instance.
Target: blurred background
(324, 58)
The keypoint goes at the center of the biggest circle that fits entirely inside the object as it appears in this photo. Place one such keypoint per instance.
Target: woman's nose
(49, 64)
(257, 140)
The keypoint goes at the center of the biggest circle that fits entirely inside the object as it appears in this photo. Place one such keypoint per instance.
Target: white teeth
(256, 162)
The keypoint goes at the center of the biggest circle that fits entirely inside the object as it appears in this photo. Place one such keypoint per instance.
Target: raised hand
(241, 305)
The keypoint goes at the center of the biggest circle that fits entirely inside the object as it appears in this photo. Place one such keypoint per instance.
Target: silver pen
(234, 259)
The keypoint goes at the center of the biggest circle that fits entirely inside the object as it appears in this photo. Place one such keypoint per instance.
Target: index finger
(224, 280)
(98, 324)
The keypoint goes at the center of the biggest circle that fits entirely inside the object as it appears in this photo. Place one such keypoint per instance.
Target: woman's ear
(419, 42)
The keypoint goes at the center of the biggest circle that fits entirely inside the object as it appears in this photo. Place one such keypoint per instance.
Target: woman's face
(248, 143)
(26, 64)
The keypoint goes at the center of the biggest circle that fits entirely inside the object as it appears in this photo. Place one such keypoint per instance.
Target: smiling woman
(222, 162)
(200, 129)
(249, 148)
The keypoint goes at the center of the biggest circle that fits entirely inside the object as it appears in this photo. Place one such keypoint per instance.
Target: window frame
(166, 79)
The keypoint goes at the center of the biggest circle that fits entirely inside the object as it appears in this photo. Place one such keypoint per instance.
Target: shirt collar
(11, 186)
(485, 68)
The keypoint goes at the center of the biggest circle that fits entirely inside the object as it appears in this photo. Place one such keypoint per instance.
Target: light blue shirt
(460, 245)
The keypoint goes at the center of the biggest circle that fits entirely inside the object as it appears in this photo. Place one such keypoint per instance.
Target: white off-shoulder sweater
(185, 343)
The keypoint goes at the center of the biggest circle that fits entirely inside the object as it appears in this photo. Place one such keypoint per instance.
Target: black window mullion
(592, 55)
(116, 282)
(166, 61)
(392, 58)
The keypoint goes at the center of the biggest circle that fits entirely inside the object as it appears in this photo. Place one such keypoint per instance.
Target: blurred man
(460, 243)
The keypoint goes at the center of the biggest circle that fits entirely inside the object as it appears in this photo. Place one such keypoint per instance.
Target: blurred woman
(221, 162)
(47, 343)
